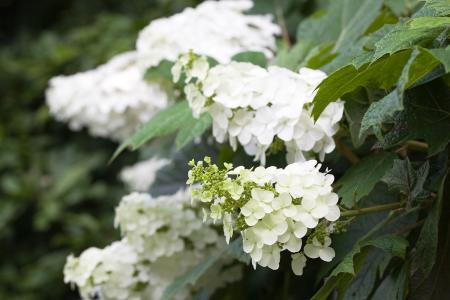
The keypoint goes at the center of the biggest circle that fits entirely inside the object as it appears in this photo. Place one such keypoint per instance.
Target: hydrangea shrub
(353, 92)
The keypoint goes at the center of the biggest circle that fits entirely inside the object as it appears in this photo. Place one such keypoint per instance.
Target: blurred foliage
(57, 193)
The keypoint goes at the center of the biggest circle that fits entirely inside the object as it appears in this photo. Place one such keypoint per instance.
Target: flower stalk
(373, 209)
(346, 151)
(416, 146)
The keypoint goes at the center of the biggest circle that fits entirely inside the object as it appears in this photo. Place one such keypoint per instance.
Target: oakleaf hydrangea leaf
(418, 31)
(443, 55)
(401, 7)
(434, 8)
(408, 180)
(352, 263)
(427, 244)
(428, 115)
(380, 112)
(343, 23)
(361, 178)
(192, 276)
(419, 64)
(192, 129)
(165, 122)
(383, 73)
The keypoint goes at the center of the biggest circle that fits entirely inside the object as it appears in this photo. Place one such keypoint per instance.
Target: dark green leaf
(355, 108)
(443, 55)
(364, 282)
(352, 263)
(367, 225)
(381, 112)
(383, 265)
(418, 31)
(385, 17)
(192, 128)
(342, 24)
(360, 179)
(407, 180)
(369, 42)
(427, 244)
(419, 64)
(397, 135)
(189, 278)
(434, 8)
(337, 281)
(383, 73)
(192, 276)
(165, 122)
(427, 109)
(402, 7)
(392, 244)
(346, 57)
(436, 285)
(393, 286)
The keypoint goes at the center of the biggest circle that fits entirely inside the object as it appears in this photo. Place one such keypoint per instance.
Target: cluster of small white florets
(113, 99)
(163, 238)
(274, 209)
(218, 29)
(162, 226)
(140, 176)
(252, 105)
(109, 273)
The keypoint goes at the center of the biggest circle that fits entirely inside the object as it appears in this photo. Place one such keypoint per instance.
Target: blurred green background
(57, 192)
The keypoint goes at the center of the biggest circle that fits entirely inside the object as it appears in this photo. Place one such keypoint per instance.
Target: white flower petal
(251, 220)
(311, 251)
(327, 254)
(333, 213)
(320, 211)
(298, 263)
(300, 230)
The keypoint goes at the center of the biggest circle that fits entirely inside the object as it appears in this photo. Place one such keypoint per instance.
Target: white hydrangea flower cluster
(162, 226)
(218, 29)
(140, 176)
(274, 209)
(111, 100)
(112, 272)
(253, 106)
(163, 238)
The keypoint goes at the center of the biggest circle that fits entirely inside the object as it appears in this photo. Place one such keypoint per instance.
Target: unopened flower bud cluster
(253, 106)
(274, 209)
(162, 239)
